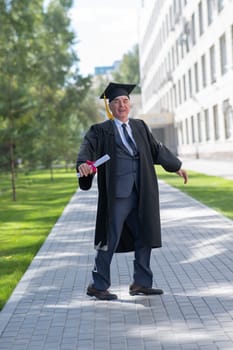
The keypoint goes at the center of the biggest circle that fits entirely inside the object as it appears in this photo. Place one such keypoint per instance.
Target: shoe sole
(141, 293)
(101, 298)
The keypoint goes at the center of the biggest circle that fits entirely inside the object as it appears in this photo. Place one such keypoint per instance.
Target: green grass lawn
(25, 224)
(215, 192)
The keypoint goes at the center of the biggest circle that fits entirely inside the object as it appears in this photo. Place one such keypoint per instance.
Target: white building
(186, 64)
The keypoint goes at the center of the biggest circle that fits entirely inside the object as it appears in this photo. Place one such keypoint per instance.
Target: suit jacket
(99, 140)
(127, 169)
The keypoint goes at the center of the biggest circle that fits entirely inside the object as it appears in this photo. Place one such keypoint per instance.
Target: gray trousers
(125, 209)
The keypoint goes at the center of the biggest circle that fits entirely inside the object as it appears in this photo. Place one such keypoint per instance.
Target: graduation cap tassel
(109, 114)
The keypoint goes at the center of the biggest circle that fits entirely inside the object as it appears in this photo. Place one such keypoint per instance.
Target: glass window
(175, 95)
(203, 70)
(182, 45)
(177, 51)
(179, 92)
(207, 124)
(173, 57)
(228, 118)
(179, 7)
(171, 99)
(187, 130)
(210, 10)
(193, 30)
(212, 64)
(184, 87)
(167, 25)
(199, 127)
(200, 15)
(192, 129)
(171, 18)
(220, 5)
(190, 83)
(169, 62)
(196, 77)
(216, 122)
(223, 54)
(181, 132)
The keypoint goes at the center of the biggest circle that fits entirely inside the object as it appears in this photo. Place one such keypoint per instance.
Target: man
(128, 203)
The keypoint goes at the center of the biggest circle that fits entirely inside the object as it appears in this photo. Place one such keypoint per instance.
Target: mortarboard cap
(114, 90)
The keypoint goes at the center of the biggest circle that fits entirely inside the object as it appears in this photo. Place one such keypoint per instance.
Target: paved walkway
(49, 308)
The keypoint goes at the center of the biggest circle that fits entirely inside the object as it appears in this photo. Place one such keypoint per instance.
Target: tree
(128, 70)
(15, 37)
(41, 89)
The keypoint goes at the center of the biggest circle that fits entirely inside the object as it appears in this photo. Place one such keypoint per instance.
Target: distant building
(106, 70)
(186, 66)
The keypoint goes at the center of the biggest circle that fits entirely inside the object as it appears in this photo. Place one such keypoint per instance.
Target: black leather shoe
(135, 289)
(100, 294)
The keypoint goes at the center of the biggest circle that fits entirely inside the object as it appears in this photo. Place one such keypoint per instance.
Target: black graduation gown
(100, 140)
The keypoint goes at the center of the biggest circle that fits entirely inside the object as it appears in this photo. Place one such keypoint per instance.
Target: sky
(105, 30)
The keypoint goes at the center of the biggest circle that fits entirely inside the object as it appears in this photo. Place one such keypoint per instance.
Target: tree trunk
(12, 161)
(51, 172)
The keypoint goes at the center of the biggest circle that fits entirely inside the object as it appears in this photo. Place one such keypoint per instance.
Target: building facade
(186, 67)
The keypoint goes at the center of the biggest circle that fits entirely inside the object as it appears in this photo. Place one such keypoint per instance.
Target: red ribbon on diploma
(97, 163)
(91, 164)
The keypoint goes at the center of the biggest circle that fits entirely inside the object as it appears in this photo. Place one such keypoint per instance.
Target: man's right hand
(85, 169)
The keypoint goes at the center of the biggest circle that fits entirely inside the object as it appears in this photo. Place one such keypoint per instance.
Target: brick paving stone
(49, 309)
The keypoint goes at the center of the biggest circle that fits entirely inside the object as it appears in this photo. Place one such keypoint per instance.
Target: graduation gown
(100, 140)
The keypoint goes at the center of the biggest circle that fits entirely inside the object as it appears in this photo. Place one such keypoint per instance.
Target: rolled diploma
(99, 162)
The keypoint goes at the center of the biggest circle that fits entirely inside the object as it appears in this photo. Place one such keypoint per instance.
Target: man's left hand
(183, 174)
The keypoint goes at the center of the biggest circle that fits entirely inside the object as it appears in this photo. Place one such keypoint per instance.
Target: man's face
(120, 107)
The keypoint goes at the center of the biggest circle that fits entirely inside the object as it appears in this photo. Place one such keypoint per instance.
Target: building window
(175, 95)
(200, 15)
(177, 51)
(171, 22)
(184, 87)
(193, 30)
(203, 70)
(207, 124)
(181, 40)
(192, 129)
(181, 132)
(179, 7)
(210, 10)
(169, 62)
(190, 83)
(196, 77)
(187, 131)
(199, 128)
(220, 5)
(168, 106)
(173, 57)
(212, 65)
(223, 54)
(179, 92)
(228, 119)
(167, 25)
(216, 123)
(171, 99)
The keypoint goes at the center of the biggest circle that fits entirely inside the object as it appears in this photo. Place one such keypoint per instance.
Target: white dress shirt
(118, 123)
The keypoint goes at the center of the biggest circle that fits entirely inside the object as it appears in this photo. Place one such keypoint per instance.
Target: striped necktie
(129, 140)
